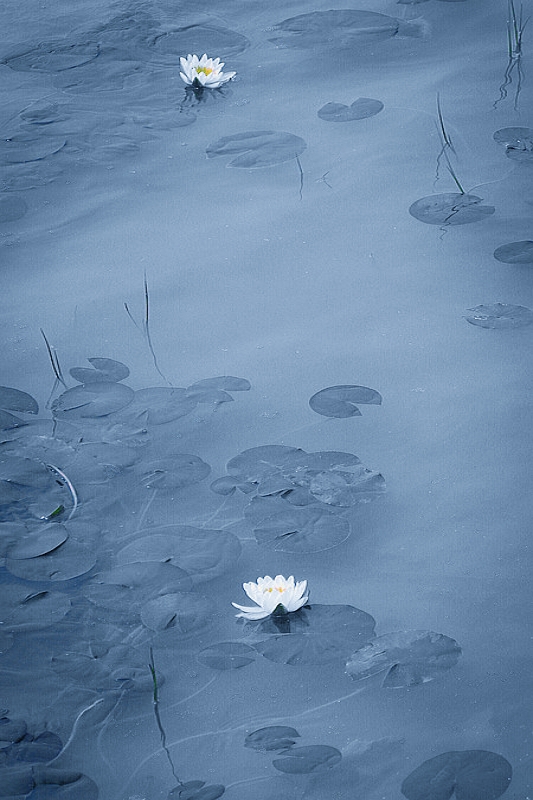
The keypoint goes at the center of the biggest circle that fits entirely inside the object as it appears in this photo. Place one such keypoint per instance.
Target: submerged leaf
(518, 143)
(22, 608)
(160, 405)
(335, 28)
(92, 400)
(500, 316)
(303, 760)
(69, 560)
(470, 774)
(197, 790)
(227, 655)
(515, 252)
(172, 472)
(15, 400)
(361, 108)
(340, 401)
(180, 612)
(60, 784)
(273, 737)
(300, 529)
(41, 541)
(450, 208)
(257, 149)
(104, 369)
(409, 658)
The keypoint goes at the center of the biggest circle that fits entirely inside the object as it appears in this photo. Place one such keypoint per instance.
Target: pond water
(280, 327)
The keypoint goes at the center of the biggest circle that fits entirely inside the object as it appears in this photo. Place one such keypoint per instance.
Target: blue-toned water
(306, 300)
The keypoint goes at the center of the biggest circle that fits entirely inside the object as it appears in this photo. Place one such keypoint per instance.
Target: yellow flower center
(205, 70)
(271, 589)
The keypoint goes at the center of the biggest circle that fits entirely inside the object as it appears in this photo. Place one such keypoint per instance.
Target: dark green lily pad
(340, 401)
(180, 612)
(273, 737)
(227, 655)
(16, 782)
(202, 39)
(409, 658)
(172, 472)
(518, 143)
(515, 252)
(34, 749)
(499, 316)
(338, 28)
(470, 774)
(11, 730)
(203, 554)
(361, 108)
(127, 587)
(197, 790)
(257, 149)
(450, 208)
(300, 529)
(303, 760)
(69, 560)
(104, 369)
(39, 542)
(318, 634)
(161, 405)
(24, 609)
(92, 400)
(15, 400)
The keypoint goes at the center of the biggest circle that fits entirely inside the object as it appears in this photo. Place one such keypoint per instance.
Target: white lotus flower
(270, 593)
(204, 72)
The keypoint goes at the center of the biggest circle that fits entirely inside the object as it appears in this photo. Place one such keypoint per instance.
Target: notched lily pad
(299, 529)
(172, 472)
(15, 400)
(499, 316)
(227, 655)
(273, 737)
(34, 749)
(70, 560)
(104, 370)
(303, 760)
(200, 38)
(197, 790)
(469, 774)
(257, 149)
(450, 208)
(317, 634)
(60, 784)
(409, 658)
(515, 252)
(337, 28)
(361, 108)
(518, 143)
(160, 405)
(180, 612)
(341, 401)
(38, 543)
(92, 400)
(53, 57)
(25, 609)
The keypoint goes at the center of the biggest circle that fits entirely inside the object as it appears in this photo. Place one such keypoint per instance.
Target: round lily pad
(15, 400)
(160, 404)
(335, 28)
(92, 400)
(34, 749)
(450, 208)
(361, 108)
(60, 784)
(201, 39)
(499, 316)
(127, 587)
(518, 143)
(25, 609)
(41, 541)
(310, 759)
(180, 612)
(341, 401)
(104, 369)
(172, 472)
(11, 730)
(345, 489)
(12, 207)
(23, 148)
(300, 529)
(257, 149)
(227, 655)
(469, 774)
(515, 252)
(69, 560)
(197, 790)
(317, 634)
(408, 658)
(53, 57)
(273, 737)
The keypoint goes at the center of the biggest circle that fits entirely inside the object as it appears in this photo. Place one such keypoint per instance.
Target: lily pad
(41, 541)
(303, 760)
(300, 529)
(203, 554)
(197, 790)
(92, 400)
(518, 143)
(59, 784)
(227, 655)
(257, 463)
(161, 405)
(257, 149)
(469, 774)
(225, 382)
(104, 369)
(340, 401)
(318, 634)
(34, 749)
(346, 489)
(53, 57)
(25, 609)
(24, 148)
(201, 39)
(450, 208)
(500, 316)
(82, 669)
(361, 108)
(127, 587)
(69, 560)
(15, 400)
(337, 28)
(172, 472)
(273, 737)
(408, 658)
(12, 207)
(180, 612)
(515, 252)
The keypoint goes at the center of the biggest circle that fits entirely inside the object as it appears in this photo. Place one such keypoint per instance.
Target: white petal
(185, 78)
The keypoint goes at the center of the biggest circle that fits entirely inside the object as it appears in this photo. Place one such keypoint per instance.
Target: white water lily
(271, 593)
(204, 72)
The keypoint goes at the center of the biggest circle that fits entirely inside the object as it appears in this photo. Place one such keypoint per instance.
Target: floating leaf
(22, 608)
(340, 401)
(12, 207)
(69, 560)
(314, 758)
(450, 208)
(408, 657)
(257, 463)
(257, 148)
(197, 790)
(201, 553)
(15, 400)
(300, 529)
(41, 541)
(518, 143)
(500, 316)
(227, 655)
(161, 405)
(24, 148)
(92, 400)
(345, 489)
(11, 730)
(81, 668)
(336, 28)
(53, 57)
(226, 383)
(361, 108)
(470, 774)
(273, 737)
(202, 39)
(515, 252)
(314, 635)
(172, 472)
(181, 613)
(127, 587)
(39, 749)
(16, 783)
(59, 784)
(8, 421)
(104, 369)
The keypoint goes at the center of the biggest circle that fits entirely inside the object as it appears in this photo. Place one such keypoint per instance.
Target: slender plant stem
(151, 666)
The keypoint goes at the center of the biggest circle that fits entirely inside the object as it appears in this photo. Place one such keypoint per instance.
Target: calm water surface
(230, 254)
